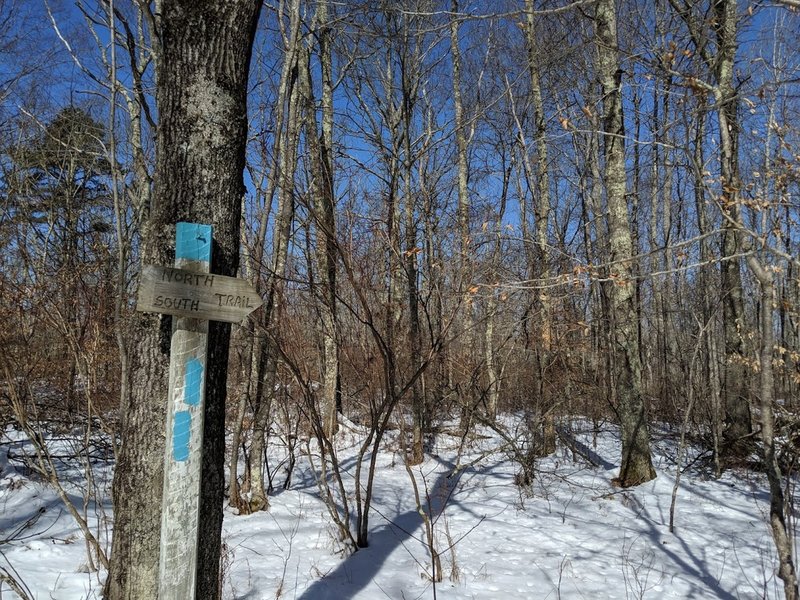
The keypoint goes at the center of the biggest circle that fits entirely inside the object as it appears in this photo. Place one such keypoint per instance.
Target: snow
(570, 535)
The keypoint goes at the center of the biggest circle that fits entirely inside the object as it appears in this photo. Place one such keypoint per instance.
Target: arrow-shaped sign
(198, 295)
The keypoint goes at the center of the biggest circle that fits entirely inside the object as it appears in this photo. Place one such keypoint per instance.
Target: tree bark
(202, 99)
(257, 258)
(781, 534)
(266, 373)
(326, 242)
(636, 466)
(735, 396)
(464, 243)
(410, 81)
(323, 210)
(541, 209)
(706, 283)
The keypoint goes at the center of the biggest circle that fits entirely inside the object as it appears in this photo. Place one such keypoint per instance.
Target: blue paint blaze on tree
(193, 242)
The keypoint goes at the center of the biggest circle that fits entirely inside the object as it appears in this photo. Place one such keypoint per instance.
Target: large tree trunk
(636, 464)
(738, 431)
(202, 100)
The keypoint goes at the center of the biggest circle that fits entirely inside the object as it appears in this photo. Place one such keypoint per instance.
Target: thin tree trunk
(256, 258)
(415, 331)
(777, 513)
(410, 83)
(464, 277)
(268, 356)
(541, 210)
(602, 319)
(737, 435)
(490, 352)
(123, 243)
(434, 280)
(492, 378)
(332, 399)
(321, 189)
(234, 495)
(266, 374)
(737, 405)
(657, 363)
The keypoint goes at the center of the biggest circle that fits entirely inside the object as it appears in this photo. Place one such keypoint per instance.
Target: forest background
(451, 210)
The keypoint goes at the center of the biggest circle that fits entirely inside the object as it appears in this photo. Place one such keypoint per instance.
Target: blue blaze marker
(193, 241)
(181, 433)
(193, 380)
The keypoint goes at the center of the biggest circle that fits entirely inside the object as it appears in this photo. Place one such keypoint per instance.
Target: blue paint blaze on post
(183, 464)
(193, 241)
(193, 380)
(181, 433)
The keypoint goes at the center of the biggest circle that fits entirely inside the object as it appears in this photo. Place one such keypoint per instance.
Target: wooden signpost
(194, 296)
(198, 295)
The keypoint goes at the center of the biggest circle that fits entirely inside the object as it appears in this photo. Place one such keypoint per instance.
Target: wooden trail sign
(186, 293)
(193, 296)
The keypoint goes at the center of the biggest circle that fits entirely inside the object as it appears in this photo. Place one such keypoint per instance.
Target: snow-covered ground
(571, 535)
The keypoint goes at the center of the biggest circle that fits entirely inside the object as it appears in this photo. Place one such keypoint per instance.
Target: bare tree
(542, 218)
(463, 134)
(636, 466)
(200, 159)
(719, 59)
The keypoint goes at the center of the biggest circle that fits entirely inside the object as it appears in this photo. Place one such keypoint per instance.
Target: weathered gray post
(184, 447)
(193, 296)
